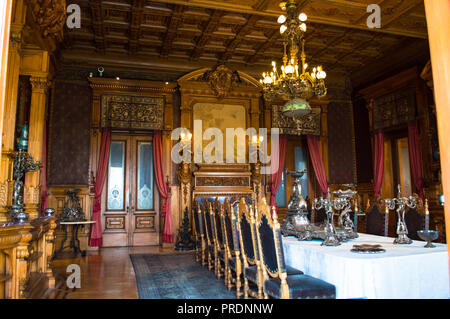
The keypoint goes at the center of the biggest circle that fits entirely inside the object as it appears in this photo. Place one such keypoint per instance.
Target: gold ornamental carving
(222, 80)
(304, 125)
(51, 17)
(39, 83)
(222, 181)
(132, 112)
(32, 195)
(394, 109)
(184, 173)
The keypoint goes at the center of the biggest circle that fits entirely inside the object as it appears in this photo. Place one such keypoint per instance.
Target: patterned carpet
(176, 276)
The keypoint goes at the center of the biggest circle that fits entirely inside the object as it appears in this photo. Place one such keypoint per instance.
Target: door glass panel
(301, 163)
(116, 176)
(145, 176)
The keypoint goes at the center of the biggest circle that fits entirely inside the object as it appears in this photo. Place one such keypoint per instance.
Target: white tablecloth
(402, 272)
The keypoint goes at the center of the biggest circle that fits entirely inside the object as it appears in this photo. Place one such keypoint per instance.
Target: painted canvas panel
(221, 116)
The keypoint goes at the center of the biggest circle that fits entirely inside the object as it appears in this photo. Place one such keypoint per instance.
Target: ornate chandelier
(293, 82)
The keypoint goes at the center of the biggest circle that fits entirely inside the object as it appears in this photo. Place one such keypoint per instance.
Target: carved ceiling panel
(244, 34)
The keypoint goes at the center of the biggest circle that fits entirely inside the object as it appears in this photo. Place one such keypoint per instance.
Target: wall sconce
(257, 140)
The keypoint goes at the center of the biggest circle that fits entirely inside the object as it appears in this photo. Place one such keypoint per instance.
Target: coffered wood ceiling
(178, 36)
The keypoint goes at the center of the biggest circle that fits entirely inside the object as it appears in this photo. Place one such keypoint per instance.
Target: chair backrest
(269, 241)
(377, 220)
(230, 229)
(197, 219)
(247, 234)
(417, 220)
(216, 221)
(207, 213)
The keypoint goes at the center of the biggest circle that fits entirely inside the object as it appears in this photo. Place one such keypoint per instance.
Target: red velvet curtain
(415, 156)
(316, 159)
(378, 162)
(95, 236)
(163, 188)
(276, 177)
(44, 200)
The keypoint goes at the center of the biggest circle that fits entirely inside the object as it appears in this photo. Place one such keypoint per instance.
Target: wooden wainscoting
(57, 197)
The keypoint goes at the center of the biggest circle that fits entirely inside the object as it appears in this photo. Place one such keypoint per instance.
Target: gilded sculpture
(222, 80)
(51, 16)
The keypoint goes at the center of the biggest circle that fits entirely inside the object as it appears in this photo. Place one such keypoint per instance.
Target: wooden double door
(130, 199)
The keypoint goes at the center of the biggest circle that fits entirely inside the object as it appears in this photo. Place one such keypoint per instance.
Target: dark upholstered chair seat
(251, 272)
(301, 287)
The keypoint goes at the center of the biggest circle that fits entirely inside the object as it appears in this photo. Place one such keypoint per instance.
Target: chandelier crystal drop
(293, 82)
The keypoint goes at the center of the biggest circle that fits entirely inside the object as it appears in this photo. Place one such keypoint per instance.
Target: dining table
(397, 271)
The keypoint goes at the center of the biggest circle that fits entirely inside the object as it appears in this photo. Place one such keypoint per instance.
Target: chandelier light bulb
(283, 28)
(268, 80)
(305, 66)
(303, 27)
(281, 19)
(289, 69)
(303, 17)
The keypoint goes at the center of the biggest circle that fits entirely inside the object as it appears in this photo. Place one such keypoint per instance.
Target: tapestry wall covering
(69, 135)
(340, 143)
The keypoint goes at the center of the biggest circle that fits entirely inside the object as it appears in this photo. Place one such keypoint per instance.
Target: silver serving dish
(367, 249)
(428, 236)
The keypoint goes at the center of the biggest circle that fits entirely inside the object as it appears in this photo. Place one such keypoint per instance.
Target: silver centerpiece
(401, 202)
(331, 238)
(296, 222)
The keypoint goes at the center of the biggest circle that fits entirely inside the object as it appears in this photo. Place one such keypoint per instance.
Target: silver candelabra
(328, 204)
(401, 202)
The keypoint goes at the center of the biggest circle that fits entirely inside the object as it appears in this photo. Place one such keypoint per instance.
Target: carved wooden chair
(200, 245)
(277, 283)
(234, 262)
(417, 218)
(219, 251)
(377, 219)
(249, 251)
(210, 246)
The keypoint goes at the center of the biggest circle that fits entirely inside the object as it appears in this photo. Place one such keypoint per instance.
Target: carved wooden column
(437, 13)
(21, 265)
(39, 91)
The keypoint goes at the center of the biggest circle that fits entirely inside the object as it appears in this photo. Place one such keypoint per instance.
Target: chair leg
(238, 285)
(246, 288)
(229, 279)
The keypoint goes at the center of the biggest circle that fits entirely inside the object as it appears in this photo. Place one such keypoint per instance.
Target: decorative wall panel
(394, 109)
(306, 125)
(132, 112)
(69, 134)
